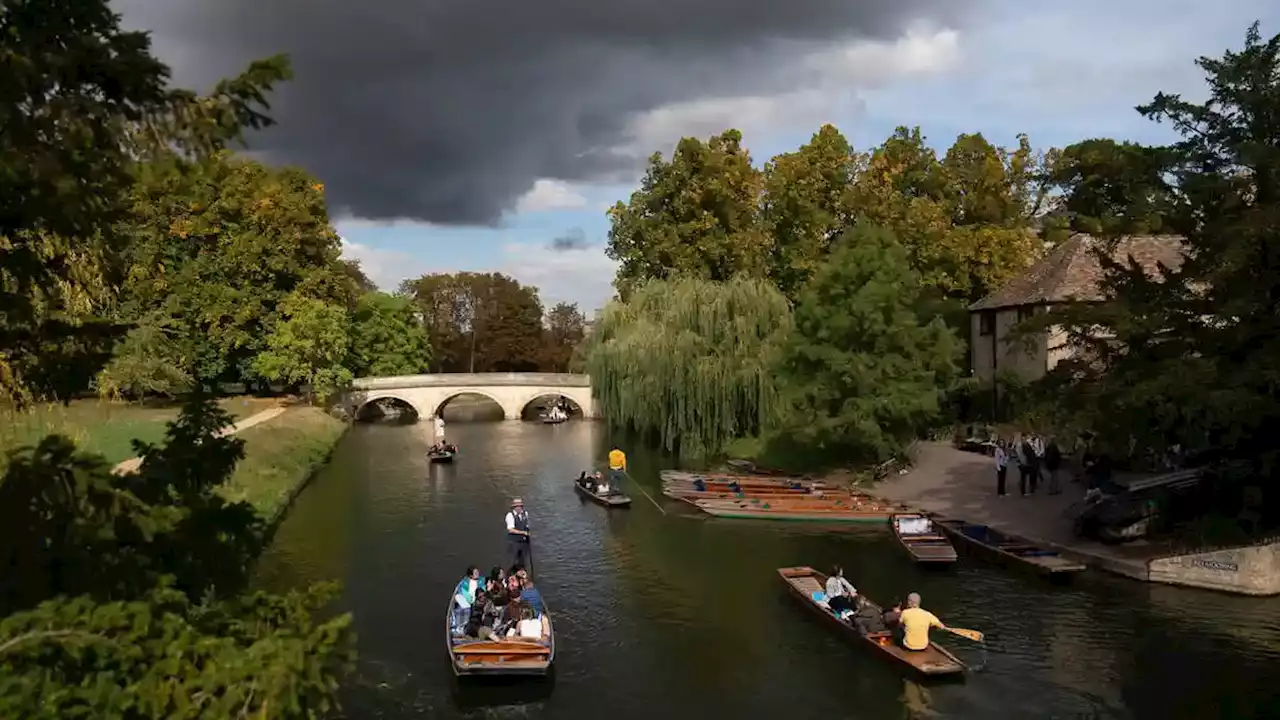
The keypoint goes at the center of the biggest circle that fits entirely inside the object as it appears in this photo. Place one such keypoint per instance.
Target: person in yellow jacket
(617, 466)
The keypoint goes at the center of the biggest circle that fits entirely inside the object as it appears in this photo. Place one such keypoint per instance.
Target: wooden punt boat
(507, 657)
(786, 509)
(444, 456)
(616, 499)
(935, 662)
(679, 493)
(710, 478)
(921, 540)
(1008, 549)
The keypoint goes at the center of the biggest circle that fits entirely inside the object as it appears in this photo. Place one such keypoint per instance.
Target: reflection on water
(671, 616)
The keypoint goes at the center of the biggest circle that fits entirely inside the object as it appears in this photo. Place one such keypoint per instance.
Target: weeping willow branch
(690, 361)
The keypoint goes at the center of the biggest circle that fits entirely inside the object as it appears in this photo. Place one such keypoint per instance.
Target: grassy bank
(103, 427)
(280, 455)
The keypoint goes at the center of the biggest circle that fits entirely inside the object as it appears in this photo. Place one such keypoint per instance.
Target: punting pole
(645, 493)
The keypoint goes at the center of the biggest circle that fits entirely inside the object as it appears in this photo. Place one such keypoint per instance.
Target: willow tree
(689, 360)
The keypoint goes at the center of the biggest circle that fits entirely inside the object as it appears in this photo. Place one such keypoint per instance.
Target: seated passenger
(529, 627)
(464, 595)
(505, 624)
(840, 594)
(530, 597)
(868, 618)
(892, 615)
(482, 616)
(496, 586)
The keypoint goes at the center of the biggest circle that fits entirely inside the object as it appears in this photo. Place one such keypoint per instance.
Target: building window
(987, 322)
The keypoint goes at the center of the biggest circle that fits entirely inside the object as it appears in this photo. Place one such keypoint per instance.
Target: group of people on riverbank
(910, 624)
(506, 604)
(1039, 459)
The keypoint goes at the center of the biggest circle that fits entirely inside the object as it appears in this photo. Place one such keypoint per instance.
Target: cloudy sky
(492, 134)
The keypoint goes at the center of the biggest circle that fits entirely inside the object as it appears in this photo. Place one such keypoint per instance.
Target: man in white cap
(518, 534)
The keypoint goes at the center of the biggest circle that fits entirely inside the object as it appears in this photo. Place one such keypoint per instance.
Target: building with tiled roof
(1070, 273)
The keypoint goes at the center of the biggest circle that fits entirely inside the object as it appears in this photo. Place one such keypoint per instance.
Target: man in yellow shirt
(915, 623)
(617, 466)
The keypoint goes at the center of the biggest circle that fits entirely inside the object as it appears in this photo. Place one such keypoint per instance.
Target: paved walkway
(132, 464)
(962, 485)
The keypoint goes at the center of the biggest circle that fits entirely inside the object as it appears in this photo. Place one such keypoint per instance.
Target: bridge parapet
(427, 394)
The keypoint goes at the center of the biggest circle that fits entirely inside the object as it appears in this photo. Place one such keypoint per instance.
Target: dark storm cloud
(572, 239)
(448, 110)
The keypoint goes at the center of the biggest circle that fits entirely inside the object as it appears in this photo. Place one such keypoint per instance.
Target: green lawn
(280, 454)
(101, 426)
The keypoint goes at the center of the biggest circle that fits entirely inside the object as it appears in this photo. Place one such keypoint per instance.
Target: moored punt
(613, 499)
(834, 510)
(443, 456)
(721, 477)
(1009, 549)
(803, 582)
(506, 657)
(691, 494)
(921, 539)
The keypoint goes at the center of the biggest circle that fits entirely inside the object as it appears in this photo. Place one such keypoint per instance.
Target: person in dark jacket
(1053, 466)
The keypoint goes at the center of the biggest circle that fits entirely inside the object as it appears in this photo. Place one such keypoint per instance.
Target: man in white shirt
(438, 425)
(518, 535)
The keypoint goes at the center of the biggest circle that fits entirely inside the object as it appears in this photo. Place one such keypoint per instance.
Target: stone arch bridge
(513, 392)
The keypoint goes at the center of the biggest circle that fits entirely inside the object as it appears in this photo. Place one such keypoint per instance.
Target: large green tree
(81, 101)
(215, 248)
(697, 214)
(862, 373)
(388, 337)
(1190, 353)
(1110, 188)
(310, 345)
(688, 361)
(479, 322)
(807, 202)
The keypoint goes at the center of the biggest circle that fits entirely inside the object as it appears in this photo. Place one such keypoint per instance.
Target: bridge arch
(445, 396)
(574, 395)
(386, 395)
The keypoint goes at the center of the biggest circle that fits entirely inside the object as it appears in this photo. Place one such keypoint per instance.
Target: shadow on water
(662, 617)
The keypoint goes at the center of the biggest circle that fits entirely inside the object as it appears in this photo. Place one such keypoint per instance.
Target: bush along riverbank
(125, 594)
(281, 456)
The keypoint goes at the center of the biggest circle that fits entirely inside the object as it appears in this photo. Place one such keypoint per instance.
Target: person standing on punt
(915, 622)
(617, 466)
(518, 534)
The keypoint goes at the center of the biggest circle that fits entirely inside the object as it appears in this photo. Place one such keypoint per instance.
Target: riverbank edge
(275, 515)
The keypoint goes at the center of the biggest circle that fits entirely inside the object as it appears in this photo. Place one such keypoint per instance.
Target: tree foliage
(564, 332)
(387, 337)
(862, 373)
(1190, 355)
(479, 322)
(1111, 188)
(689, 361)
(123, 591)
(310, 345)
(696, 215)
(83, 103)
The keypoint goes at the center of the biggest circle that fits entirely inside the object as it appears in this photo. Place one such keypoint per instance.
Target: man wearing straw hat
(518, 534)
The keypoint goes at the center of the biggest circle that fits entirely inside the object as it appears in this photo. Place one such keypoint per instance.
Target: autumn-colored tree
(216, 246)
(697, 215)
(479, 322)
(565, 328)
(807, 202)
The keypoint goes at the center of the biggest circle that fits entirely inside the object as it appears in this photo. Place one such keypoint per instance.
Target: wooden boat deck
(930, 548)
(618, 500)
(516, 656)
(936, 661)
(1009, 549)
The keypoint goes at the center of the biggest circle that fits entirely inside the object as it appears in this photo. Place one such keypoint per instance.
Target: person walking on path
(617, 467)
(518, 534)
(1002, 468)
(1053, 466)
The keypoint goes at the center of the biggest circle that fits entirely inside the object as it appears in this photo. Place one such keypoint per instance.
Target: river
(674, 616)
